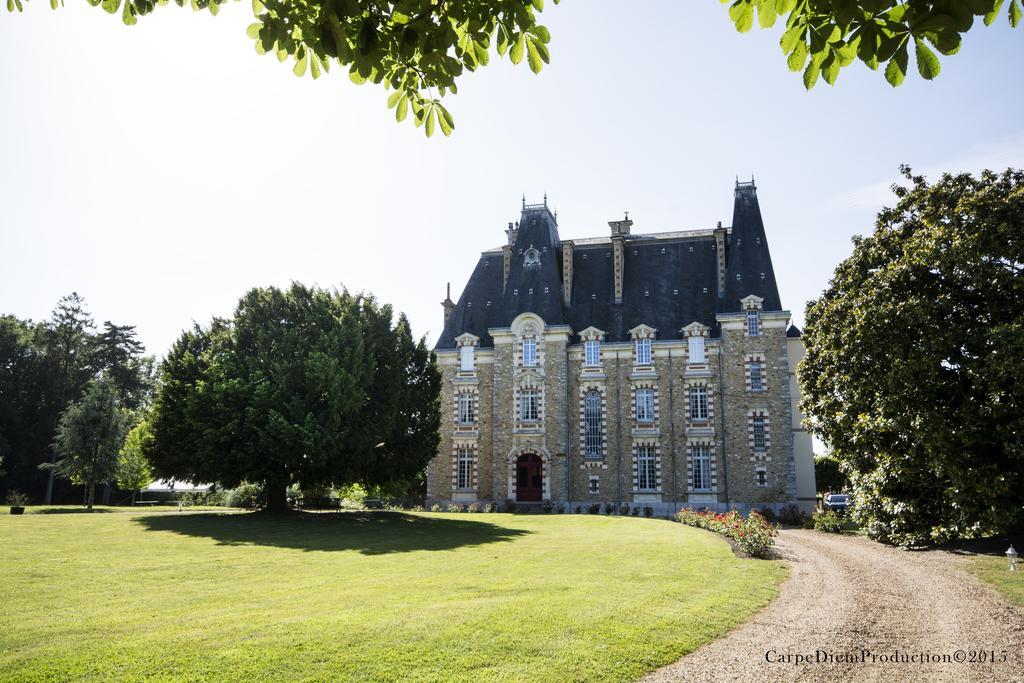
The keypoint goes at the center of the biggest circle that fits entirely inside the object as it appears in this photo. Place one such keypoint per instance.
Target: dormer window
(529, 352)
(753, 324)
(592, 353)
(466, 358)
(696, 348)
(643, 351)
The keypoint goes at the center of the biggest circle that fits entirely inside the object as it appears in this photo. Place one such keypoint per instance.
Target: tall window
(593, 440)
(529, 405)
(698, 403)
(757, 426)
(762, 478)
(700, 461)
(467, 414)
(592, 351)
(466, 358)
(645, 405)
(463, 468)
(696, 345)
(643, 351)
(756, 376)
(753, 324)
(646, 470)
(529, 352)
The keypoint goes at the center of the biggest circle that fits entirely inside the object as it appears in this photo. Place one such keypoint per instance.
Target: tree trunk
(106, 493)
(48, 498)
(92, 495)
(277, 496)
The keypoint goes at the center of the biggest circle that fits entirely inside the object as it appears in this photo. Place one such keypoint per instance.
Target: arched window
(593, 439)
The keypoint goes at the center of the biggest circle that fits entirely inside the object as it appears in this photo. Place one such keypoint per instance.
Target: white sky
(163, 169)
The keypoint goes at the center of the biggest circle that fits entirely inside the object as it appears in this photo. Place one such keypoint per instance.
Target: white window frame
(467, 414)
(758, 429)
(646, 415)
(529, 405)
(699, 403)
(761, 477)
(593, 438)
(463, 468)
(594, 485)
(700, 461)
(646, 468)
(592, 353)
(753, 324)
(529, 352)
(644, 353)
(756, 380)
(695, 345)
(467, 361)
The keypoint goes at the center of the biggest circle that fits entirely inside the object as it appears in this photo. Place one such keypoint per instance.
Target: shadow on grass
(67, 511)
(371, 533)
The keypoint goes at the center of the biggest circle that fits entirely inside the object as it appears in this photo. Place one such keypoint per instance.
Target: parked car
(837, 502)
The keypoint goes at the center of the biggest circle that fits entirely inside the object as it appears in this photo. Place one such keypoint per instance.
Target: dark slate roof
(747, 256)
(664, 280)
(794, 332)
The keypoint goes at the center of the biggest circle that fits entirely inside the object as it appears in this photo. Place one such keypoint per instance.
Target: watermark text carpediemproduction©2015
(897, 656)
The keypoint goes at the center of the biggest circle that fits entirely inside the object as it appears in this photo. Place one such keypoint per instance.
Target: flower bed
(753, 534)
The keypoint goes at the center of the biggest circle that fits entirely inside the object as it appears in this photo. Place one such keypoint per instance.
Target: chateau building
(656, 370)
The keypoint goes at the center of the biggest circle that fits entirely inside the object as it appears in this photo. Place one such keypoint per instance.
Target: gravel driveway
(847, 594)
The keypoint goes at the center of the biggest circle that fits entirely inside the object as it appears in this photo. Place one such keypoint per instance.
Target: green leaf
(830, 69)
(394, 98)
(402, 110)
(257, 8)
(314, 67)
(430, 121)
(111, 6)
(927, 63)
(742, 14)
(128, 14)
(300, 66)
(766, 14)
(445, 120)
(253, 30)
(543, 34)
(516, 53)
(798, 57)
(991, 16)
(536, 63)
(812, 71)
(790, 38)
(896, 71)
(538, 5)
(1015, 13)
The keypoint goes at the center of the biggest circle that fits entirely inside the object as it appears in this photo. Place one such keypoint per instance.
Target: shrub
(594, 508)
(579, 510)
(609, 508)
(456, 507)
(435, 508)
(753, 534)
(510, 505)
(489, 508)
(791, 515)
(828, 521)
(245, 496)
(560, 508)
(17, 499)
(769, 515)
(416, 508)
(648, 511)
(473, 507)
(547, 506)
(624, 510)
(192, 498)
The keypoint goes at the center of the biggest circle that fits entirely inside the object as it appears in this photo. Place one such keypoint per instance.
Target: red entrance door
(529, 477)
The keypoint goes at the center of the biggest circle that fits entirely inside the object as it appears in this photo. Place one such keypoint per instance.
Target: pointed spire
(545, 197)
(524, 200)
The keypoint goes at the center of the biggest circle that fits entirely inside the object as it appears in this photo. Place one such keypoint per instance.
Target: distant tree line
(302, 387)
(46, 368)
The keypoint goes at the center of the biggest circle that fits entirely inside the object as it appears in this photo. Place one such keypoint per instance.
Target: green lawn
(995, 572)
(367, 596)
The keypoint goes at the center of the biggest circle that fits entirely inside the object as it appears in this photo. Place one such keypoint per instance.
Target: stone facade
(640, 421)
